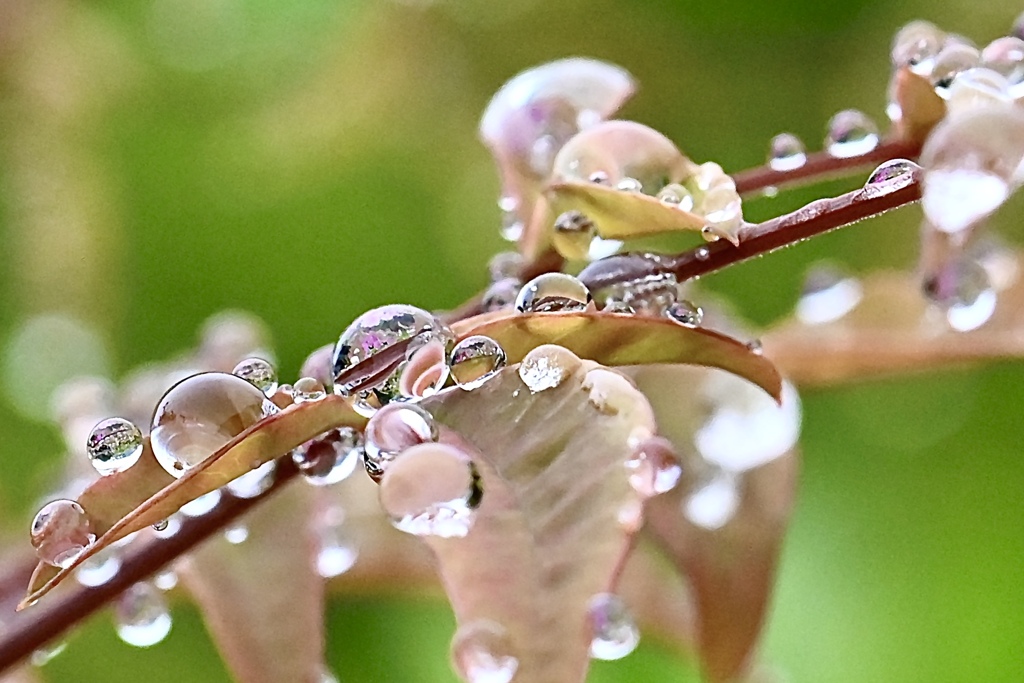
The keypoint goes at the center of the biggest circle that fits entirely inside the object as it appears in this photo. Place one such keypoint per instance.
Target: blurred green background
(161, 160)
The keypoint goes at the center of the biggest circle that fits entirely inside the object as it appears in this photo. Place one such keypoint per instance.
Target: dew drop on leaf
(141, 616)
(307, 390)
(614, 633)
(482, 652)
(259, 372)
(254, 482)
(653, 467)
(200, 415)
(953, 59)
(685, 313)
(114, 445)
(546, 367)
(553, 292)
(475, 360)
(786, 153)
(201, 505)
(850, 133)
(677, 196)
(61, 531)
(330, 458)
(392, 430)
(890, 176)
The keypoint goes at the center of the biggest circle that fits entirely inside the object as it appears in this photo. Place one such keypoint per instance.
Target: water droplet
(506, 264)
(482, 652)
(169, 527)
(553, 292)
(511, 227)
(114, 445)
(200, 415)
(61, 532)
(890, 176)
(254, 482)
(201, 505)
(685, 313)
(916, 45)
(851, 133)
(161, 526)
(677, 196)
(501, 295)
(786, 152)
(954, 58)
(715, 503)
(755, 347)
(573, 234)
(827, 296)
(628, 184)
(1005, 56)
(392, 430)
(259, 372)
(598, 178)
(431, 490)
(546, 367)
(475, 360)
(744, 427)
(614, 633)
(307, 390)
(702, 253)
(166, 580)
(100, 568)
(653, 467)
(370, 352)
(617, 306)
(47, 653)
(962, 289)
(723, 214)
(141, 616)
(330, 458)
(236, 534)
(338, 551)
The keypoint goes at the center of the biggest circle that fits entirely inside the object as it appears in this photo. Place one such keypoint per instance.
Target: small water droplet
(200, 415)
(100, 568)
(685, 313)
(431, 490)
(702, 253)
(546, 367)
(962, 289)
(890, 176)
(330, 458)
(755, 346)
(598, 178)
(501, 295)
(573, 234)
(954, 58)
(511, 227)
(786, 153)
(553, 292)
(307, 390)
(236, 534)
(770, 192)
(114, 445)
(628, 184)
(338, 551)
(254, 482)
(166, 580)
(475, 360)
(260, 373)
(653, 467)
(141, 616)
(827, 296)
(161, 526)
(677, 196)
(614, 633)
(168, 527)
(715, 503)
(482, 652)
(61, 532)
(392, 430)
(506, 264)
(916, 45)
(201, 505)
(851, 133)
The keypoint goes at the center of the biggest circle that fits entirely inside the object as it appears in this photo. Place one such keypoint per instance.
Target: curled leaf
(130, 503)
(620, 215)
(616, 340)
(556, 515)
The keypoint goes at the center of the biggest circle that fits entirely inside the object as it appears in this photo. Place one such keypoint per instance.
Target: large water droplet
(786, 153)
(202, 505)
(954, 58)
(553, 292)
(744, 427)
(851, 133)
(482, 652)
(431, 490)
(254, 482)
(962, 289)
(392, 430)
(330, 458)
(546, 367)
(259, 372)
(827, 296)
(61, 532)
(890, 176)
(1005, 56)
(614, 633)
(475, 360)
(100, 568)
(916, 45)
(338, 551)
(653, 467)
(685, 313)
(202, 414)
(714, 503)
(114, 445)
(369, 354)
(141, 616)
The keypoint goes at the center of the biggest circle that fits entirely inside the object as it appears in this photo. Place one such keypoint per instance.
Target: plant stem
(40, 624)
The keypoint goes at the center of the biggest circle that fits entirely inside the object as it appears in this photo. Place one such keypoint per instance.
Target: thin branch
(40, 624)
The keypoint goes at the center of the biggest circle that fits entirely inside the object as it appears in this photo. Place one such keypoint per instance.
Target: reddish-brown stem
(40, 624)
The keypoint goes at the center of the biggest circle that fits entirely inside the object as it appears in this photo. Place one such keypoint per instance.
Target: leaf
(731, 569)
(547, 535)
(893, 330)
(921, 108)
(133, 505)
(615, 340)
(262, 599)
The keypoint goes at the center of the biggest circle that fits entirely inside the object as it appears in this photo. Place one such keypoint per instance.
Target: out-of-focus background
(161, 160)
